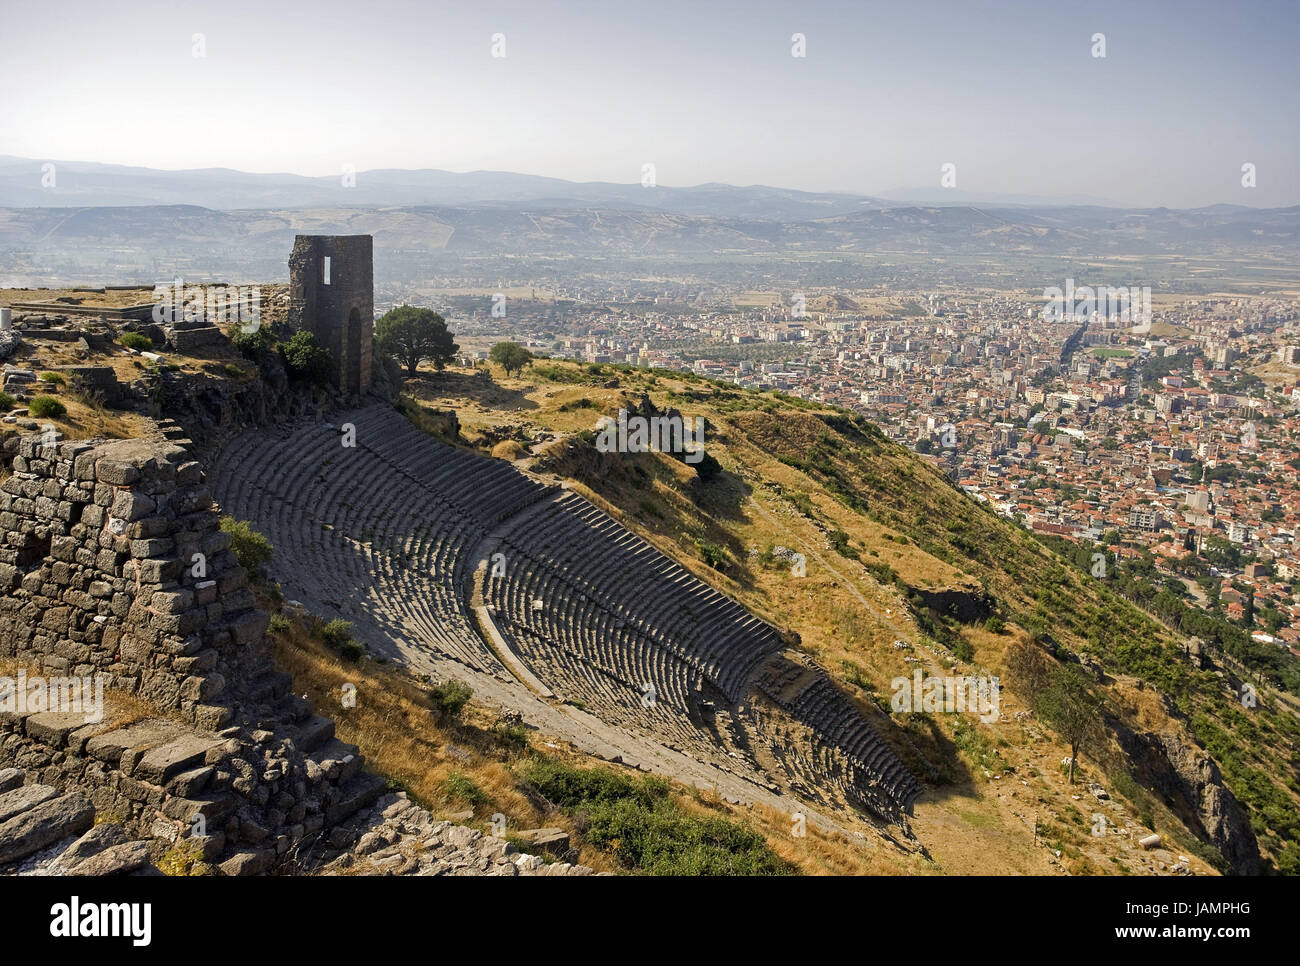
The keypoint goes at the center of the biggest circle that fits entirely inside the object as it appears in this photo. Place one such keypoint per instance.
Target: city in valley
(1175, 449)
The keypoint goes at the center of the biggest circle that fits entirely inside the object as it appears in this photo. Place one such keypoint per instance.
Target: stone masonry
(332, 293)
(112, 563)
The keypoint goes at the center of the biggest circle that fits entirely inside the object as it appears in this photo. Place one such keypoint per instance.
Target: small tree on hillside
(1071, 709)
(413, 336)
(510, 356)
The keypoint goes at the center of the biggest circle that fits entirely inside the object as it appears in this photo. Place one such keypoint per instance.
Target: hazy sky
(708, 91)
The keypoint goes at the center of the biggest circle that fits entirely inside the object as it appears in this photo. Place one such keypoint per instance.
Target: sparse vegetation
(307, 359)
(46, 407)
(450, 697)
(645, 827)
(252, 549)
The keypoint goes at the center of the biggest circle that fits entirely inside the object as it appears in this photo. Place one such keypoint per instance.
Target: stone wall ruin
(331, 293)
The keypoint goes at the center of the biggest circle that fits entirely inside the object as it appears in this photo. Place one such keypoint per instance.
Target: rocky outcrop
(396, 837)
(33, 816)
(213, 407)
(1191, 784)
(967, 605)
(9, 341)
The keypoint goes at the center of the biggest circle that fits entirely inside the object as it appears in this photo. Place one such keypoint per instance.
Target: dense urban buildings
(1175, 437)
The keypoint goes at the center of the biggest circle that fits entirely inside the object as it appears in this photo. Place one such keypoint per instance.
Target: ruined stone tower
(332, 293)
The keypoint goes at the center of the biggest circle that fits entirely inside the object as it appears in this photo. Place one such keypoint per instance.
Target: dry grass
(508, 449)
(120, 709)
(397, 731)
(403, 740)
(85, 419)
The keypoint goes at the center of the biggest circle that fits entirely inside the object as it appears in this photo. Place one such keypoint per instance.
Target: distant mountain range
(109, 221)
(83, 184)
(529, 228)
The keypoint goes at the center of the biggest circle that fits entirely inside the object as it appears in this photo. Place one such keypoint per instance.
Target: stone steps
(388, 536)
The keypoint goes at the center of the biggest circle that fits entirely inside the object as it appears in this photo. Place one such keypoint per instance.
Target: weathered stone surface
(1188, 777)
(549, 839)
(22, 798)
(118, 580)
(53, 727)
(99, 838)
(163, 762)
(114, 860)
(212, 807)
(359, 792)
(112, 745)
(395, 837)
(43, 825)
(248, 863)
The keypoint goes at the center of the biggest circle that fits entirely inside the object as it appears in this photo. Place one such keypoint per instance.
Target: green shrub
(803, 503)
(514, 735)
(280, 623)
(459, 787)
(839, 540)
(336, 633)
(640, 822)
(450, 698)
(53, 378)
(134, 340)
(337, 636)
(7, 401)
(255, 345)
(961, 649)
(44, 407)
(308, 359)
(252, 549)
(714, 555)
(994, 625)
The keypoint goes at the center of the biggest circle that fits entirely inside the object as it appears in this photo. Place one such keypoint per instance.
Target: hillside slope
(902, 570)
